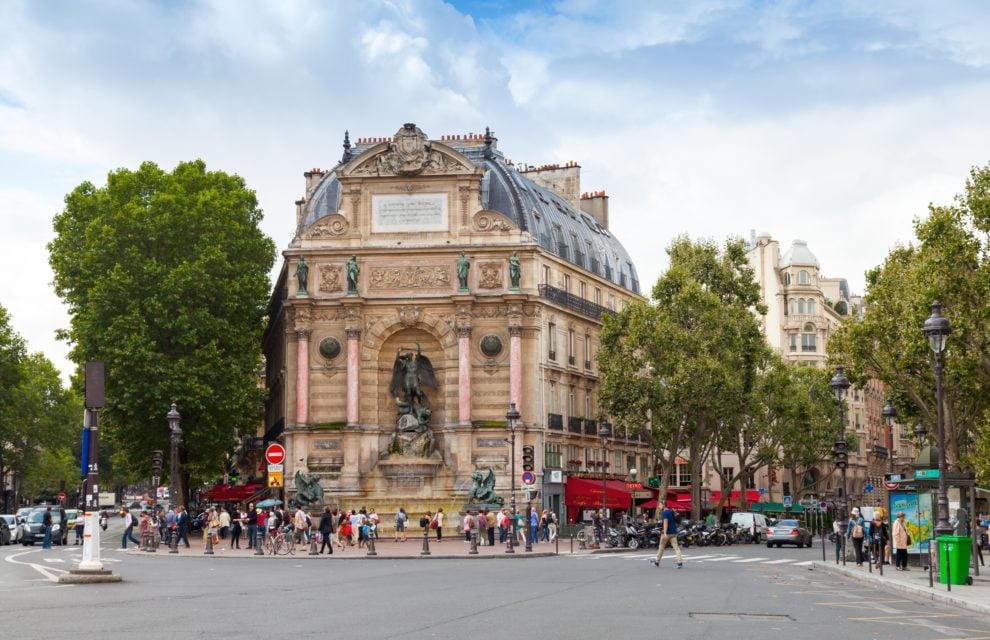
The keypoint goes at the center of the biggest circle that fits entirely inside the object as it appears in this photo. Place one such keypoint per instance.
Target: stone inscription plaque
(408, 213)
(326, 444)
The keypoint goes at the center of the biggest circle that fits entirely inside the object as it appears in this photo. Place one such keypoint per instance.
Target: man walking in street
(668, 536)
(182, 527)
(46, 524)
(128, 529)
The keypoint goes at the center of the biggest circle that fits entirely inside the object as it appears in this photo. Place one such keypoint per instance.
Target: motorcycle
(104, 520)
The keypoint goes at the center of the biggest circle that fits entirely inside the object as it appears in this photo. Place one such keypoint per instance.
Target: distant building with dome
(385, 297)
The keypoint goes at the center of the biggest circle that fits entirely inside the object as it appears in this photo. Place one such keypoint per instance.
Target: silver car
(784, 532)
(16, 527)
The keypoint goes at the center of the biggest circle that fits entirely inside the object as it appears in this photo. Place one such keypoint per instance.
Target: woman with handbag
(856, 531)
(902, 540)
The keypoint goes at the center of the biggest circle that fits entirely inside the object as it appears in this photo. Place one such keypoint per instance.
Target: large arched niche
(405, 339)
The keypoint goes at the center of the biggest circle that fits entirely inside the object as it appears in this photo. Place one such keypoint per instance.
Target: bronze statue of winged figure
(410, 373)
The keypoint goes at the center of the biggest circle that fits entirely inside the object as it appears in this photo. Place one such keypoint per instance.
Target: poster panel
(917, 508)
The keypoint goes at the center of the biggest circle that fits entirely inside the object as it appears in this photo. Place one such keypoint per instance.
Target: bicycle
(279, 544)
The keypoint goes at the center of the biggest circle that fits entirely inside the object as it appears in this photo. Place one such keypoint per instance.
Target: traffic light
(528, 459)
(840, 453)
(156, 462)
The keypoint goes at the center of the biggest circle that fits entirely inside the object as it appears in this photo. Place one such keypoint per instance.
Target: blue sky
(834, 122)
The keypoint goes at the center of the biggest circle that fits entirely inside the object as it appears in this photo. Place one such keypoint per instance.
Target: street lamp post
(632, 494)
(604, 431)
(840, 450)
(937, 329)
(173, 418)
(889, 413)
(512, 417)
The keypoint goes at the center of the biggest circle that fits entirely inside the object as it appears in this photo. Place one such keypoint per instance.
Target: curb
(339, 557)
(935, 595)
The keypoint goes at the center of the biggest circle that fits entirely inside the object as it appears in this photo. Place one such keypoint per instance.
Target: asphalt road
(738, 592)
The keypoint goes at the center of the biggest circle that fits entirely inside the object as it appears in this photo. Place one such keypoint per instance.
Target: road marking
(723, 558)
(784, 561)
(748, 560)
(54, 560)
(47, 572)
(806, 563)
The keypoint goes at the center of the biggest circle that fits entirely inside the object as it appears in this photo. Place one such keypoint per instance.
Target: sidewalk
(386, 548)
(915, 582)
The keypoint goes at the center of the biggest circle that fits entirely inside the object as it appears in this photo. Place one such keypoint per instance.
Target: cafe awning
(734, 497)
(679, 501)
(230, 493)
(587, 492)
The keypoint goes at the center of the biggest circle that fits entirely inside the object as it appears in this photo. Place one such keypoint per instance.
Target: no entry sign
(275, 453)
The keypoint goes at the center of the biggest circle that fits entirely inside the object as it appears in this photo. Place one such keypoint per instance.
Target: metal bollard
(259, 541)
(426, 543)
(473, 547)
(209, 544)
(312, 545)
(371, 546)
(174, 541)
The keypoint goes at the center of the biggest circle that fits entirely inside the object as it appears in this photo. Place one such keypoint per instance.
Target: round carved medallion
(329, 348)
(491, 345)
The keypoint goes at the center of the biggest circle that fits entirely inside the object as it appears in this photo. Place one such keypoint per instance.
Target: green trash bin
(953, 553)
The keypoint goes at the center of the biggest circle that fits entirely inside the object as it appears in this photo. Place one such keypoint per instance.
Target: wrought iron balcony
(555, 421)
(574, 425)
(573, 302)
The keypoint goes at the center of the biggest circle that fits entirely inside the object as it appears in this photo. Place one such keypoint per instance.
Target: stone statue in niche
(302, 275)
(515, 271)
(410, 373)
(352, 276)
(462, 271)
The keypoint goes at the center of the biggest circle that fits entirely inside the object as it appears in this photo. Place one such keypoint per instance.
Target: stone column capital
(303, 333)
(515, 331)
(463, 331)
(353, 333)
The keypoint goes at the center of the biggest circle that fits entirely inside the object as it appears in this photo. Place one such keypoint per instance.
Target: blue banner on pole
(84, 458)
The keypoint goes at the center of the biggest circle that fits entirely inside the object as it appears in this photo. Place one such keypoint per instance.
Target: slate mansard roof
(558, 227)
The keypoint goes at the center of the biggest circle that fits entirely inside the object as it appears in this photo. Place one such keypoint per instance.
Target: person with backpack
(129, 523)
(400, 524)
(856, 532)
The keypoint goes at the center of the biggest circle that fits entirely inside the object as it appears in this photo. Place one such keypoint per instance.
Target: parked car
(34, 530)
(756, 523)
(788, 532)
(5, 532)
(15, 526)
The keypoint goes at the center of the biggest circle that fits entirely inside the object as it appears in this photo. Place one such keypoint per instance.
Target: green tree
(38, 417)
(681, 364)
(949, 262)
(166, 278)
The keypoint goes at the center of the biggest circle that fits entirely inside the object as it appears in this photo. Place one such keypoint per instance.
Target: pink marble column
(515, 366)
(464, 374)
(302, 376)
(353, 384)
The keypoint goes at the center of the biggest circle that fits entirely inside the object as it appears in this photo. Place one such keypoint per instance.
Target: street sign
(634, 485)
(61, 496)
(895, 477)
(653, 482)
(823, 505)
(787, 501)
(275, 480)
(762, 491)
(275, 453)
(926, 474)
(276, 467)
(528, 477)
(868, 488)
(890, 486)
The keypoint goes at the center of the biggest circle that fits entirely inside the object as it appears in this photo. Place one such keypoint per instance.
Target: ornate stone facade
(404, 208)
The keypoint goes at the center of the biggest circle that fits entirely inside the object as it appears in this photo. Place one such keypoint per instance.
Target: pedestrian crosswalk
(699, 558)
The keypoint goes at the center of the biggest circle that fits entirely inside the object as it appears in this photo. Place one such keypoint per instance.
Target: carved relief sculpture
(335, 225)
(330, 281)
(491, 275)
(422, 277)
(409, 154)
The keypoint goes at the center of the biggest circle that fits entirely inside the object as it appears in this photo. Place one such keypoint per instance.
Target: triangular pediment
(408, 154)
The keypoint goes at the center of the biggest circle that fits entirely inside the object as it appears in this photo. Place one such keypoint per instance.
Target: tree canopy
(166, 278)
(38, 419)
(949, 262)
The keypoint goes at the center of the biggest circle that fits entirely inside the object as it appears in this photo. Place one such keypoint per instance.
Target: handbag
(858, 531)
(909, 541)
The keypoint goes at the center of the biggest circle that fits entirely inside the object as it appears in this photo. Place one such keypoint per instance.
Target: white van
(755, 523)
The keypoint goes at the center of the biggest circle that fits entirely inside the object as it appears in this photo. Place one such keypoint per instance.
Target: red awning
(585, 492)
(237, 493)
(715, 497)
(213, 491)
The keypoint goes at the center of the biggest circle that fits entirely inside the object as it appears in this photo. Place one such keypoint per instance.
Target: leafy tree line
(948, 261)
(165, 274)
(691, 368)
(40, 420)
